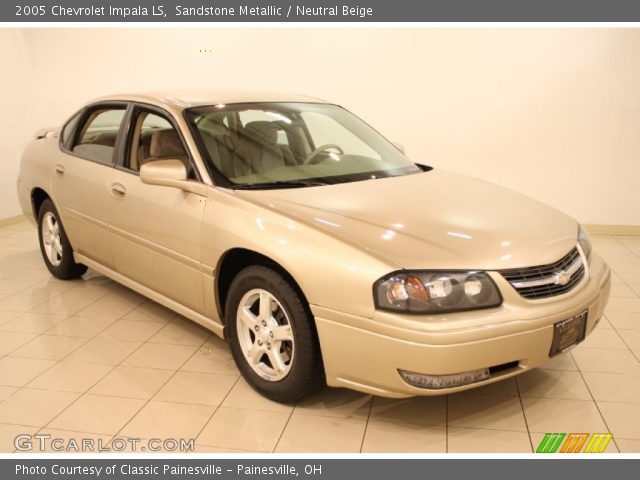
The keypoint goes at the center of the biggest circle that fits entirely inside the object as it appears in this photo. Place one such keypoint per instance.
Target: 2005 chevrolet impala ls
(314, 245)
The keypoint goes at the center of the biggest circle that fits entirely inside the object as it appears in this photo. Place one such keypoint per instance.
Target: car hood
(436, 219)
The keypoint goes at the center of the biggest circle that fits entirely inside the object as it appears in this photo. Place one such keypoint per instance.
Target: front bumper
(365, 354)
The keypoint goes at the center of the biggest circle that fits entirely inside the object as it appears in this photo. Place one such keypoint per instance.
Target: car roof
(181, 99)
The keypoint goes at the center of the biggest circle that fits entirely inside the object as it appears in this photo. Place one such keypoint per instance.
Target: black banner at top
(162, 11)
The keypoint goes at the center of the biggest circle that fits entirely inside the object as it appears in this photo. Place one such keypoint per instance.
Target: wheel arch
(38, 196)
(233, 261)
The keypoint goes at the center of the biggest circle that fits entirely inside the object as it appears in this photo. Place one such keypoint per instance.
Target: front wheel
(54, 244)
(272, 335)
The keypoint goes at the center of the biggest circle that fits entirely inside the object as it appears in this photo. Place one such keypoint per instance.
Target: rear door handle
(118, 190)
(59, 169)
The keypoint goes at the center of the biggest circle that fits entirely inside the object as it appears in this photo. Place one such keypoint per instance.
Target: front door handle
(118, 190)
(59, 169)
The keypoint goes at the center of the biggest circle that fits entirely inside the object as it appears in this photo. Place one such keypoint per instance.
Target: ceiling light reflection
(279, 116)
(460, 235)
(388, 235)
(327, 222)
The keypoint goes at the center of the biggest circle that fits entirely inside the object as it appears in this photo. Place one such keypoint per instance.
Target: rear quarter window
(68, 129)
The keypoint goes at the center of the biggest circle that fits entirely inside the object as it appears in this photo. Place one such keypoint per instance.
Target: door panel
(81, 175)
(80, 190)
(156, 237)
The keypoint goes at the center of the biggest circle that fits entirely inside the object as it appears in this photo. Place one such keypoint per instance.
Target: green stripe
(554, 448)
(543, 443)
(550, 442)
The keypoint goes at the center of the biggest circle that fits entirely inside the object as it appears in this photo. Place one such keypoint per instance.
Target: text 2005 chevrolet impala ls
(313, 244)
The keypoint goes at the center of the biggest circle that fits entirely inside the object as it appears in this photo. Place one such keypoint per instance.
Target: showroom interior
(550, 113)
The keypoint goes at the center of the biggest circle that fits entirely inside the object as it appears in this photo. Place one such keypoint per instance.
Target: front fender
(330, 272)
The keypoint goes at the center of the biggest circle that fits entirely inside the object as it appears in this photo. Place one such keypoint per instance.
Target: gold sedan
(314, 245)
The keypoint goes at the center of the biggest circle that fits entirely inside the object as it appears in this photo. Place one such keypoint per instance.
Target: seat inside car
(144, 144)
(250, 149)
(107, 139)
(166, 144)
(224, 148)
(262, 148)
(163, 144)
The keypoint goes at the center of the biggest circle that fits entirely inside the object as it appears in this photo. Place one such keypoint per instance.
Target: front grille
(545, 280)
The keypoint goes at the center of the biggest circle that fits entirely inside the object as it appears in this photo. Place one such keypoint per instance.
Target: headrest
(165, 144)
(214, 126)
(263, 131)
(106, 138)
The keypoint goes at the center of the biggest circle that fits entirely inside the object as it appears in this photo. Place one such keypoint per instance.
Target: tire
(54, 244)
(291, 318)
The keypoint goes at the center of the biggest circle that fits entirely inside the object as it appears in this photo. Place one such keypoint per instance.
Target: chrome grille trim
(551, 279)
(547, 280)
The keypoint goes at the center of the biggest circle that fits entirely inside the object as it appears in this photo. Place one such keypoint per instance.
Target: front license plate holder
(568, 333)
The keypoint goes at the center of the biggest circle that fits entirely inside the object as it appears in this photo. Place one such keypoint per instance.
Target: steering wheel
(321, 149)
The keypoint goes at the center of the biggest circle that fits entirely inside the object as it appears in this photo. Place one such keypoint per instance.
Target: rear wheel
(54, 244)
(272, 337)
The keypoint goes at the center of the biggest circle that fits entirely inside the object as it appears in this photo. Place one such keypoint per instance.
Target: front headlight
(436, 292)
(585, 242)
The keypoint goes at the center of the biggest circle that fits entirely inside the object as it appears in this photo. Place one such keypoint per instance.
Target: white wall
(553, 113)
(17, 117)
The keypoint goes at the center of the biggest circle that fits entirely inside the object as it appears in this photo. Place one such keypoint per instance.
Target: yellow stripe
(590, 444)
(598, 443)
(605, 441)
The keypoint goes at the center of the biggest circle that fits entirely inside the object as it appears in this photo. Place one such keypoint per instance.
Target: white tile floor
(91, 359)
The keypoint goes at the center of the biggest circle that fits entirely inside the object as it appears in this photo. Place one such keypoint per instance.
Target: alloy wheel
(265, 335)
(51, 238)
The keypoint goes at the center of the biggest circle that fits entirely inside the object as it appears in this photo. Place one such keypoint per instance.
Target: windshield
(262, 145)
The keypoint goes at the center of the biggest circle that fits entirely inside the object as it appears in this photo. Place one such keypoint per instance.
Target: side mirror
(399, 146)
(169, 173)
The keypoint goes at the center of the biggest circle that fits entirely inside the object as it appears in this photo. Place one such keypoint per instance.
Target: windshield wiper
(280, 184)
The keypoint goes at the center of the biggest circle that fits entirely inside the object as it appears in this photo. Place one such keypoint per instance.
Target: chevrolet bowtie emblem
(562, 277)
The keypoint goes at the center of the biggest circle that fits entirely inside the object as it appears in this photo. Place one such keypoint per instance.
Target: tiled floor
(91, 359)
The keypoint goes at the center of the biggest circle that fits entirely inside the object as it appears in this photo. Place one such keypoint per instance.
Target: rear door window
(97, 137)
